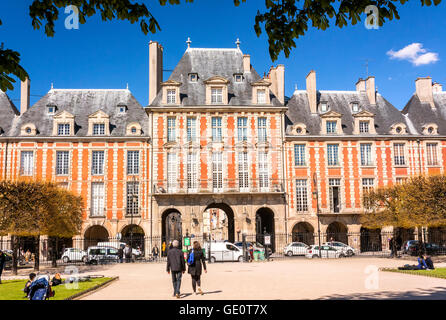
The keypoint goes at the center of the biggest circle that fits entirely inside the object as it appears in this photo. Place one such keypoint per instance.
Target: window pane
(99, 128)
(97, 166)
(191, 129)
(132, 198)
(216, 129)
(97, 199)
(27, 163)
(242, 127)
(261, 122)
(133, 162)
(62, 162)
(243, 174)
(366, 154)
(263, 171)
(432, 154)
(171, 172)
(301, 193)
(171, 131)
(398, 150)
(192, 174)
(299, 154)
(332, 154)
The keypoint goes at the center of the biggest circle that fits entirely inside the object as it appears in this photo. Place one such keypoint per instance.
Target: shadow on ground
(437, 293)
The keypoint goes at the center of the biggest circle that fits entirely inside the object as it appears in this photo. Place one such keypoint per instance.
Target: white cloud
(414, 53)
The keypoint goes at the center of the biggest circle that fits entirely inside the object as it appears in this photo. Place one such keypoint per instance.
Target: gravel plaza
(288, 279)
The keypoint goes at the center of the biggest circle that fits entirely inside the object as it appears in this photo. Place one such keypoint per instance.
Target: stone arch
(171, 226)
(94, 234)
(265, 224)
(337, 231)
(230, 218)
(303, 232)
(133, 235)
(370, 240)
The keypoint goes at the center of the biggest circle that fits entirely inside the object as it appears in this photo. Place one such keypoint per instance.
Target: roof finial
(238, 43)
(52, 86)
(188, 42)
(127, 86)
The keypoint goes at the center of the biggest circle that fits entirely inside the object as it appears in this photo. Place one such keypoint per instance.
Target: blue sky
(112, 54)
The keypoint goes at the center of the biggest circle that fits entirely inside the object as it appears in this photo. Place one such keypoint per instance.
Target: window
(171, 172)
(62, 162)
(363, 127)
(98, 129)
(51, 109)
(122, 108)
(217, 171)
(324, 107)
(242, 129)
(263, 171)
(366, 154)
(192, 174)
(216, 95)
(261, 128)
(261, 96)
(243, 171)
(132, 198)
(431, 154)
(238, 78)
(97, 199)
(63, 129)
(171, 134)
(331, 126)
(133, 130)
(367, 186)
(355, 107)
(132, 162)
(27, 163)
(216, 129)
(301, 193)
(28, 130)
(97, 166)
(398, 154)
(191, 127)
(193, 77)
(299, 154)
(334, 185)
(401, 180)
(171, 96)
(332, 151)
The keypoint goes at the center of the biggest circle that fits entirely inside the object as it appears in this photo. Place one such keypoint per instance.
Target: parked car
(257, 247)
(410, 247)
(326, 252)
(346, 249)
(431, 248)
(295, 249)
(74, 255)
(101, 255)
(223, 251)
(115, 244)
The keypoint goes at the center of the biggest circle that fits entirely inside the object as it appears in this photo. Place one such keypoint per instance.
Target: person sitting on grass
(429, 263)
(57, 280)
(422, 263)
(32, 276)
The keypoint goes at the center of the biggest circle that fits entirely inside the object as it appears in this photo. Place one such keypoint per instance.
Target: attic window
(51, 109)
(238, 78)
(133, 130)
(122, 108)
(398, 129)
(193, 77)
(28, 130)
(299, 130)
(355, 107)
(324, 106)
(430, 130)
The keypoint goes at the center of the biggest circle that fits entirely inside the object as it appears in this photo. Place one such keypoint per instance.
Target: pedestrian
(127, 253)
(251, 253)
(170, 245)
(392, 247)
(2, 263)
(196, 262)
(163, 248)
(120, 253)
(27, 255)
(155, 253)
(176, 265)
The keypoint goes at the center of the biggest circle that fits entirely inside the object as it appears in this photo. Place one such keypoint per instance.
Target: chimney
(277, 77)
(437, 87)
(311, 91)
(424, 90)
(24, 96)
(371, 90)
(360, 85)
(246, 63)
(155, 69)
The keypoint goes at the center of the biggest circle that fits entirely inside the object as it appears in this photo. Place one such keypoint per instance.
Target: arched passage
(337, 231)
(134, 236)
(224, 224)
(303, 232)
(171, 226)
(95, 234)
(265, 225)
(371, 240)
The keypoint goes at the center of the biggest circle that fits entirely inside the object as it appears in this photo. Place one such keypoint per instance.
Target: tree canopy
(419, 202)
(284, 21)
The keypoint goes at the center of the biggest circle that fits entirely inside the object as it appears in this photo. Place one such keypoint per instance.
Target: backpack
(191, 259)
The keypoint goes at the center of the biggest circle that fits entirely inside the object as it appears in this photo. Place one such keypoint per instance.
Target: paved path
(285, 279)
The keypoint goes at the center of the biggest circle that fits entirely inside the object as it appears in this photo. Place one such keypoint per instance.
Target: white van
(223, 251)
(115, 244)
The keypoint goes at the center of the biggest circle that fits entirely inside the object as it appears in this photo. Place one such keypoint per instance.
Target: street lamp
(316, 197)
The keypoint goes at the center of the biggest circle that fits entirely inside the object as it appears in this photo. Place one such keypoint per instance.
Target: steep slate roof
(81, 103)
(208, 63)
(420, 114)
(339, 101)
(8, 113)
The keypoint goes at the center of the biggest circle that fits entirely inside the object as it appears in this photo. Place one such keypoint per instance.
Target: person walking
(251, 253)
(176, 266)
(127, 253)
(392, 247)
(196, 262)
(2, 263)
(163, 248)
(120, 253)
(155, 253)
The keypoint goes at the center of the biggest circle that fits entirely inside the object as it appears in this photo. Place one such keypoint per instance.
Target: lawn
(13, 289)
(437, 273)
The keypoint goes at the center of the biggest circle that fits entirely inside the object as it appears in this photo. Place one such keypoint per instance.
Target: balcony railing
(209, 186)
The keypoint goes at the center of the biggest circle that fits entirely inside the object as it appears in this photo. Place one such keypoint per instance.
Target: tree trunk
(54, 253)
(37, 255)
(14, 254)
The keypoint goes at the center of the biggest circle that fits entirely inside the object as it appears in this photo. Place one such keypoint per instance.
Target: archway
(403, 234)
(172, 226)
(370, 240)
(221, 222)
(95, 234)
(265, 225)
(337, 231)
(134, 236)
(303, 232)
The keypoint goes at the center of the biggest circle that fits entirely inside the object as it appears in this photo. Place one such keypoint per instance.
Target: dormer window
(122, 108)
(51, 109)
(238, 78)
(217, 95)
(171, 92)
(261, 96)
(331, 127)
(355, 107)
(133, 130)
(193, 77)
(171, 96)
(430, 129)
(324, 107)
(363, 126)
(331, 123)
(99, 129)
(216, 90)
(398, 128)
(28, 130)
(63, 129)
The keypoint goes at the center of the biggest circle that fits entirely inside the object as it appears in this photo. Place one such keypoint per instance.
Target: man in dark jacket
(2, 263)
(176, 264)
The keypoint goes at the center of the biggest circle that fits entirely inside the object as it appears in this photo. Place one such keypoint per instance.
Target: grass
(437, 273)
(13, 289)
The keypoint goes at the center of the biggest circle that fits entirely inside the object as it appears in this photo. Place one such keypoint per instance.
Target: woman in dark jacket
(196, 267)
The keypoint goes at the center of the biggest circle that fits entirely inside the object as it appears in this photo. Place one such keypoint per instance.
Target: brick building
(219, 145)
